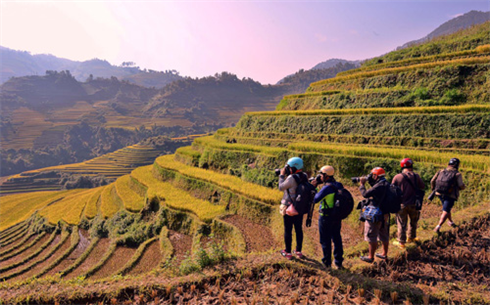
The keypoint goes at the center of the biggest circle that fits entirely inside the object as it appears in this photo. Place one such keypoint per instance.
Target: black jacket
(377, 192)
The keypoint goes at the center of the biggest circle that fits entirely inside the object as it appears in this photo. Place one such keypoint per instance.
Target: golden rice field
(68, 209)
(110, 203)
(132, 201)
(232, 183)
(174, 197)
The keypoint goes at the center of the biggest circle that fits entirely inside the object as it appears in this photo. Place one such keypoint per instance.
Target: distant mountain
(459, 23)
(333, 62)
(21, 63)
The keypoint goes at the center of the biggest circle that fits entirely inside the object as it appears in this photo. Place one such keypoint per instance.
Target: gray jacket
(288, 184)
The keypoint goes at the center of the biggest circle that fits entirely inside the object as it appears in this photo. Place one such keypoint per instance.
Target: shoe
(327, 265)
(452, 224)
(339, 267)
(367, 259)
(399, 244)
(298, 254)
(437, 229)
(380, 256)
(413, 240)
(287, 255)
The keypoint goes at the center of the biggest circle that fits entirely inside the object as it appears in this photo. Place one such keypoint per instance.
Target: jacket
(407, 189)
(377, 192)
(289, 185)
(327, 195)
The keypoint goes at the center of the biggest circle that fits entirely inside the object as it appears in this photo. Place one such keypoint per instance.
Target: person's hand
(283, 171)
(363, 180)
(308, 222)
(314, 183)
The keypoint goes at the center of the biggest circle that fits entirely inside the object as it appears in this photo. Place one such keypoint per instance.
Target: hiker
(289, 178)
(412, 187)
(377, 227)
(447, 183)
(328, 224)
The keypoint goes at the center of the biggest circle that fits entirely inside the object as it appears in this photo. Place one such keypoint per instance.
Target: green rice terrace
(202, 226)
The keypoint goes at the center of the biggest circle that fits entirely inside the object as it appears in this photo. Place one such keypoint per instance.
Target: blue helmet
(295, 162)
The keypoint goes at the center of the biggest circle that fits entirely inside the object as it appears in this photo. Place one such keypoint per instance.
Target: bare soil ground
(91, 260)
(26, 253)
(149, 260)
(39, 267)
(17, 235)
(82, 245)
(460, 258)
(182, 246)
(117, 260)
(257, 237)
(53, 244)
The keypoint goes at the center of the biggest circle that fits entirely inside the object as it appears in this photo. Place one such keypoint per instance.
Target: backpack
(305, 193)
(343, 203)
(445, 182)
(392, 200)
(419, 193)
(371, 213)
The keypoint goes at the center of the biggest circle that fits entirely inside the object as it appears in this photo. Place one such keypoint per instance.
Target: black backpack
(445, 182)
(343, 203)
(305, 193)
(392, 200)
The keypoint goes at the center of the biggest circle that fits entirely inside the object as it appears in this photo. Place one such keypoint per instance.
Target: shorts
(374, 231)
(447, 203)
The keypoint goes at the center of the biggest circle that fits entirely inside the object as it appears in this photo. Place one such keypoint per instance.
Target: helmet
(378, 171)
(454, 162)
(327, 170)
(406, 163)
(295, 162)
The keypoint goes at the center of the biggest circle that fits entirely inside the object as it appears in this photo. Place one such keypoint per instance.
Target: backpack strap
(410, 182)
(298, 181)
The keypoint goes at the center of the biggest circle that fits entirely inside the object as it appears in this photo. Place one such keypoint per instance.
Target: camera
(287, 168)
(318, 179)
(358, 179)
(355, 179)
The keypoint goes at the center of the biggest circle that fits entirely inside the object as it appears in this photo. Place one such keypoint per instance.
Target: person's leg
(372, 249)
(371, 230)
(338, 250)
(384, 234)
(325, 240)
(414, 215)
(298, 229)
(401, 223)
(288, 232)
(447, 205)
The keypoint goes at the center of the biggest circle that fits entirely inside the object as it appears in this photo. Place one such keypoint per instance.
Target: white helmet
(327, 170)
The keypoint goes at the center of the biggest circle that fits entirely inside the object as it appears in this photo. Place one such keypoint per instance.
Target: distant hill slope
(22, 63)
(333, 62)
(459, 23)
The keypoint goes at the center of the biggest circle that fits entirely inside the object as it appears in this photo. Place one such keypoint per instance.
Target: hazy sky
(264, 40)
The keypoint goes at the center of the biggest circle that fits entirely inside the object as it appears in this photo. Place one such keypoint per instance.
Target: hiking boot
(339, 267)
(326, 264)
(367, 259)
(452, 224)
(399, 244)
(298, 254)
(287, 255)
(381, 256)
(413, 240)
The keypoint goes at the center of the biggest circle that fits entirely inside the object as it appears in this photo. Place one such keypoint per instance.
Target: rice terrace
(184, 211)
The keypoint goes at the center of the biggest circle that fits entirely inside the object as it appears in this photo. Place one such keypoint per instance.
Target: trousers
(330, 232)
(297, 222)
(402, 217)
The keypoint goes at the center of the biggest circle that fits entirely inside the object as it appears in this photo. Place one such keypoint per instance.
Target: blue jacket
(326, 197)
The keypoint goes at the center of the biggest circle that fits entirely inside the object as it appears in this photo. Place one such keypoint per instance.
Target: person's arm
(367, 193)
(286, 183)
(326, 190)
(433, 181)
(461, 184)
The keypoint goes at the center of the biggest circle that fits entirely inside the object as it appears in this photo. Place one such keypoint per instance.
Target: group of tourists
(402, 197)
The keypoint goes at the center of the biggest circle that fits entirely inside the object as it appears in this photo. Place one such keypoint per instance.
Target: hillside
(456, 24)
(203, 225)
(21, 63)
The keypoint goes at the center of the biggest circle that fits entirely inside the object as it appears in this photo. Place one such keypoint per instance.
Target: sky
(263, 40)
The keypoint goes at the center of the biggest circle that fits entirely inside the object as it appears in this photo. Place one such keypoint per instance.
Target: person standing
(378, 229)
(409, 182)
(328, 225)
(447, 183)
(288, 183)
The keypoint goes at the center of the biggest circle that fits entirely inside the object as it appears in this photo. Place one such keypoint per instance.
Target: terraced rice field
(211, 210)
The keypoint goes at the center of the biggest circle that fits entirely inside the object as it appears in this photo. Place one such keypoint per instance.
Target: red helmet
(378, 171)
(406, 163)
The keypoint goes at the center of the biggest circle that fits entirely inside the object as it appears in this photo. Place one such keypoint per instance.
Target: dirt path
(26, 253)
(150, 259)
(117, 260)
(82, 245)
(182, 246)
(91, 260)
(257, 237)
